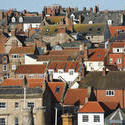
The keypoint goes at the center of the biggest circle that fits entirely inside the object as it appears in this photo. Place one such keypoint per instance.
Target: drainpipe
(55, 115)
(123, 97)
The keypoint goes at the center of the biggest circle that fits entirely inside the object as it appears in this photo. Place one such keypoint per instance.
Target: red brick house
(107, 89)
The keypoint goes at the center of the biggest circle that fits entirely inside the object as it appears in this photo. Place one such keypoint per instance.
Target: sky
(37, 5)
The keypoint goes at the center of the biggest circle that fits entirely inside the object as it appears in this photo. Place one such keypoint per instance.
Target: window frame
(85, 118)
(15, 56)
(30, 104)
(16, 105)
(16, 121)
(4, 67)
(3, 121)
(96, 118)
(110, 92)
(2, 105)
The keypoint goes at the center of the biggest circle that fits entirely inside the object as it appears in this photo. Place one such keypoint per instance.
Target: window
(6, 75)
(40, 75)
(117, 50)
(16, 121)
(71, 72)
(30, 104)
(57, 89)
(4, 67)
(118, 61)
(51, 72)
(31, 75)
(60, 71)
(91, 22)
(21, 76)
(13, 19)
(110, 22)
(2, 105)
(110, 92)
(13, 67)
(2, 121)
(16, 104)
(85, 118)
(4, 59)
(20, 19)
(15, 56)
(96, 118)
(111, 60)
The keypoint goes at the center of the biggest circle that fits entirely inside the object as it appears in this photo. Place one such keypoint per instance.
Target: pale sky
(37, 5)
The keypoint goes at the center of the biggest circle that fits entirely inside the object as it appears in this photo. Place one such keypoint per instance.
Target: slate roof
(112, 80)
(100, 17)
(33, 19)
(116, 116)
(18, 90)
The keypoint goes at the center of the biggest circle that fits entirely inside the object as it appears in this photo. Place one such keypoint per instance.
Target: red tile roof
(19, 82)
(31, 69)
(91, 106)
(118, 44)
(97, 54)
(114, 29)
(21, 50)
(65, 65)
(75, 95)
(53, 86)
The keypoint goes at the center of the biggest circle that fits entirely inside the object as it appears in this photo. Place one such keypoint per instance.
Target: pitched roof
(65, 65)
(21, 50)
(116, 115)
(91, 106)
(74, 96)
(112, 80)
(97, 54)
(32, 19)
(32, 83)
(57, 89)
(118, 44)
(31, 69)
(114, 29)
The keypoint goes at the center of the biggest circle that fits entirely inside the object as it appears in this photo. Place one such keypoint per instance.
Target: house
(68, 71)
(117, 117)
(107, 86)
(116, 55)
(91, 113)
(26, 22)
(94, 59)
(15, 109)
(31, 71)
(17, 56)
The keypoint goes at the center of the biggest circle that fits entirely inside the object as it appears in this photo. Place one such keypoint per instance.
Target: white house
(31, 22)
(68, 71)
(95, 59)
(91, 114)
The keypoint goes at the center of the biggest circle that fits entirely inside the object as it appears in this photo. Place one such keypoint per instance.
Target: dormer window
(60, 71)
(13, 19)
(110, 92)
(57, 89)
(15, 56)
(110, 22)
(71, 72)
(91, 22)
(20, 19)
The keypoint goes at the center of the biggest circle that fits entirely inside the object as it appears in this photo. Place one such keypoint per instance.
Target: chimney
(91, 10)
(96, 9)
(50, 77)
(86, 53)
(80, 19)
(67, 119)
(104, 71)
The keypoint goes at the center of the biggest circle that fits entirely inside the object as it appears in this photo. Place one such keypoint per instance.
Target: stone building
(15, 110)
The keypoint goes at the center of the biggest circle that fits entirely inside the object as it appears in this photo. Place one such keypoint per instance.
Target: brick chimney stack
(85, 53)
(104, 71)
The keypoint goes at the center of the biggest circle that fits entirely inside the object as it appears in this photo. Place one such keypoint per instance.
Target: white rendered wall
(94, 65)
(26, 26)
(90, 119)
(29, 60)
